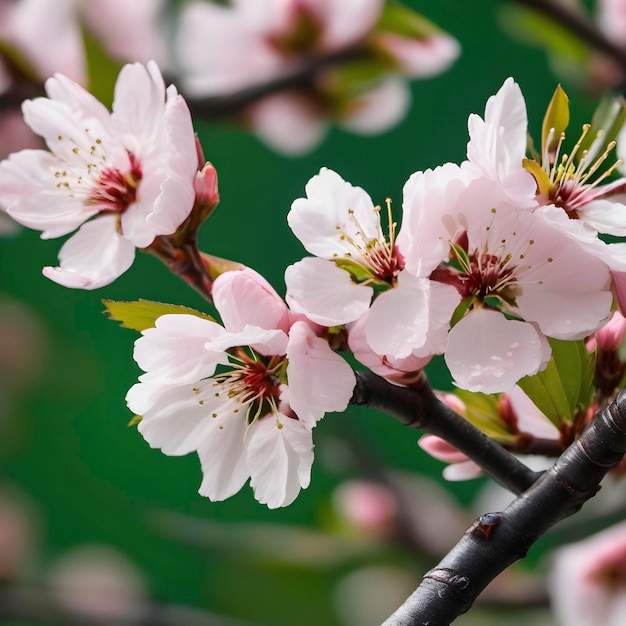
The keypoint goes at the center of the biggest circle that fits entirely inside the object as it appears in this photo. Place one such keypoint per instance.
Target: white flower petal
(346, 22)
(319, 379)
(498, 143)
(489, 353)
(290, 123)
(139, 105)
(380, 108)
(280, 455)
(605, 216)
(333, 214)
(325, 293)
(399, 371)
(398, 319)
(223, 455)
(95, 256)
(176, 423)
(174, 352)
(27, 187)
(177, 195)
(266, 342)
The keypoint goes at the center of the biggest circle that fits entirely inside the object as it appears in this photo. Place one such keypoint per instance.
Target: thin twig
(418, 407)
(300, 76)
(580, 24)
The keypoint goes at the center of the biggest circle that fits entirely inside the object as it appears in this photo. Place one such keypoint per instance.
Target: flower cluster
(495, 260)
(222, 50)
(245, 395)
(122, 178)
(486, 265)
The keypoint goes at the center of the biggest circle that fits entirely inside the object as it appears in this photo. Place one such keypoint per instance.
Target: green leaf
(565, 385)
(556, 120)
(606, 123)
(359, 273)
(531, 27)
(483, 412)
(102, 70)
(143, 314)
(461, 310)
(462, 257)
(136, 419)
(401, 20)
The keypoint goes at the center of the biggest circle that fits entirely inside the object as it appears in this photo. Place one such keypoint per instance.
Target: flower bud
(611, 336)
(205, 186)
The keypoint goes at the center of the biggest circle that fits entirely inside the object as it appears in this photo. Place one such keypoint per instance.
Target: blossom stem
(497, 540)
(418, 407)
(185, 261)
(580, 24)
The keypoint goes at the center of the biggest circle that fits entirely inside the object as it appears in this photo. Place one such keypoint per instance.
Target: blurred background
(89, 511)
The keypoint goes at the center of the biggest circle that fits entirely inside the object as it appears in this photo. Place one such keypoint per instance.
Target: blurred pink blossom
(587, 583)
(221, 50)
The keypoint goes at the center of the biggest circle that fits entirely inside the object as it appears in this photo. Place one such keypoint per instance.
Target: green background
(64, 439)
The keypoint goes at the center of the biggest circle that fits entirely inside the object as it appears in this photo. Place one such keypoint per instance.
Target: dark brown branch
(580, 24)
(418, 407)
(301, 76)
(496, 540)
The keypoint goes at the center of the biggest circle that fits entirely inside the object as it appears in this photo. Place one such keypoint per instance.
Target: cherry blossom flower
(245, 395)
(497, 144)
(521, 279)
(50, 34)
(573, 182)
(587, 583)
(222, 50)
(125, 176)
(341, 226)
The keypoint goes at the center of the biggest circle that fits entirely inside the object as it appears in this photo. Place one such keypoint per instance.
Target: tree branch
(418, 407)
(496, 540)
(580, 24)
(301, 76)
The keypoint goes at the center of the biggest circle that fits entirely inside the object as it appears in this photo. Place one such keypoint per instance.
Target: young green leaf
(555, 121)
(565, 385)
(143, 314)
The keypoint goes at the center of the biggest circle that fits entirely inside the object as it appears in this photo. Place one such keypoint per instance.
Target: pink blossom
(252, 417)
(49, 34)
(586, 583)
(225, 49)
(339, 224)
(122, 177)
(460, 228)
(611, 336)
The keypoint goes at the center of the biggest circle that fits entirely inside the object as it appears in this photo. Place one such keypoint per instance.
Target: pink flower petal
(222, 456)
(325, 293)
(244, 297)
(489, 353)
(95, 256)
(319, 379)
(279, 452)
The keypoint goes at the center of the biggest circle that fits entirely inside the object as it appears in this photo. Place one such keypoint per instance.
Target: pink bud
(611, 336)
(441, 449)
(205, 186)
(368, 506)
